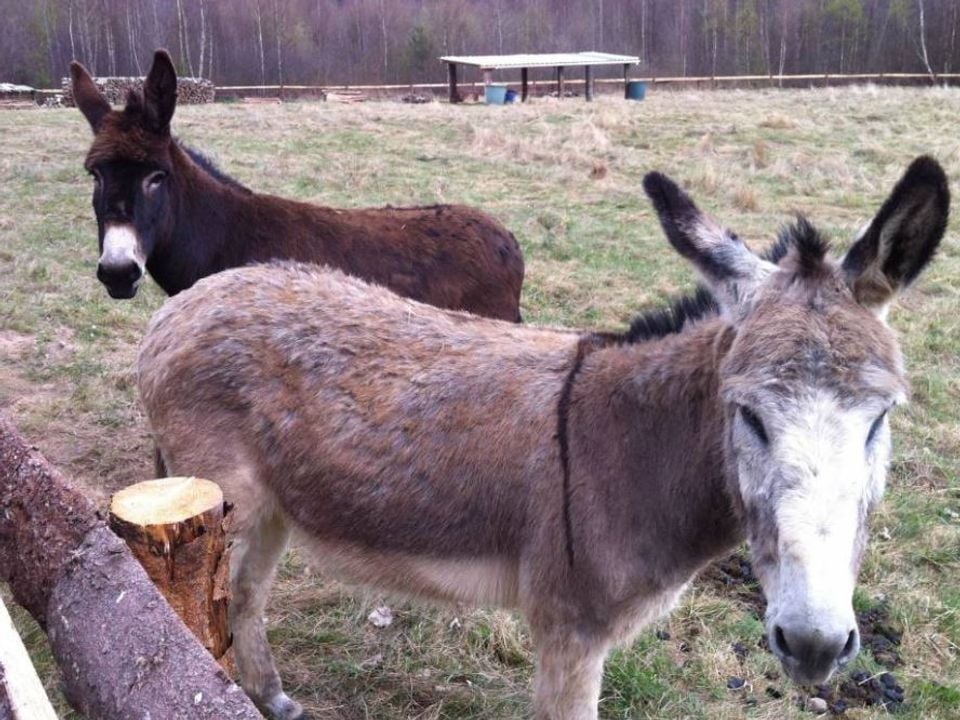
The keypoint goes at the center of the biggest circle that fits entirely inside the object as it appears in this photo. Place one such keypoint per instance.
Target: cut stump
(175, 529)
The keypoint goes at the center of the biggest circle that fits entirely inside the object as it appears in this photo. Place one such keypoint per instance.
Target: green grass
(565, 177)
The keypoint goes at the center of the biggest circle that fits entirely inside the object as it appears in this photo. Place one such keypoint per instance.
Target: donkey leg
(159, 466)
(254, 560)
(568, 678)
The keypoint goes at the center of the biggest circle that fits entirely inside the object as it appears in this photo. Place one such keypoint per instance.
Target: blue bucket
(636, 90)
(495, 94)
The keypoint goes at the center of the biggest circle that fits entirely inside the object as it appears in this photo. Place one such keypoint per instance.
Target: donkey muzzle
(811, 654)
(121, 266)
(121, 280)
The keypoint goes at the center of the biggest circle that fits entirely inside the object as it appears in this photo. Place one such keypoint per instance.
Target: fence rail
(697, 81)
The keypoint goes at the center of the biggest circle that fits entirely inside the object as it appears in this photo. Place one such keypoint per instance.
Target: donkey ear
(88, 97)
(728, 266)
(902, 238)
(160, 92)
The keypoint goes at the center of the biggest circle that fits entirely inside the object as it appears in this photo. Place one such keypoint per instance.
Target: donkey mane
(210, 168)
(801, 236)
(810, 248)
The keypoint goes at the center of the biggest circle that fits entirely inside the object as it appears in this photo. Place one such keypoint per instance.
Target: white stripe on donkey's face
(812, 468)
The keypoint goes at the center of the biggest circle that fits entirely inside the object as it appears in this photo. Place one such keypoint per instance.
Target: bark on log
(123, 652)
(174, 527)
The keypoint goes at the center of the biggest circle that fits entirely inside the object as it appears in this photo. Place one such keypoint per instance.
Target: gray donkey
(581, 478)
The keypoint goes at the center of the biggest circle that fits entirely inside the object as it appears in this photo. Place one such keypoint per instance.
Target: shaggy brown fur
(196, 221)
(419, 450)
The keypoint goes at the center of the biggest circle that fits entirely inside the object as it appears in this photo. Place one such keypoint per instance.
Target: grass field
(565, 177)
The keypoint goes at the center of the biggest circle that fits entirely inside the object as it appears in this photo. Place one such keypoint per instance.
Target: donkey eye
(875, 428)
(755, 424)
(153, 181)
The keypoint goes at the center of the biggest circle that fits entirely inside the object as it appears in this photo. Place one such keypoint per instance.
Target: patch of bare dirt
(734, 575)
(14, 345)
(61, 347)
(100, 459)
(860, 689)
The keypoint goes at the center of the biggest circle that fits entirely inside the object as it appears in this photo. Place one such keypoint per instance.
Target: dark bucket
(636, 90)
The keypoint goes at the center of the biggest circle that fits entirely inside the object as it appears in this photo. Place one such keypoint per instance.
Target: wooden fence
(668, 82)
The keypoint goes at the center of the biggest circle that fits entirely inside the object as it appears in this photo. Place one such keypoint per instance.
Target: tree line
(267, 42)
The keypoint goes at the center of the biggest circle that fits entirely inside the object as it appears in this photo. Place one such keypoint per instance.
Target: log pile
(190, 91)
(122, 650)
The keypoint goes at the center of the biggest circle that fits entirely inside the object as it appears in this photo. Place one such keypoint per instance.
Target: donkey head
(131, 165)
(807, 383)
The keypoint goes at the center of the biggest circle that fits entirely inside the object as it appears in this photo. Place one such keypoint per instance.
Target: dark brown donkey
(584, 479)
(164, 208)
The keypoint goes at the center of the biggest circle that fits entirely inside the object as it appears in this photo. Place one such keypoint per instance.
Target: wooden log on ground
(22, 696)
(123, 652)
(174, 527)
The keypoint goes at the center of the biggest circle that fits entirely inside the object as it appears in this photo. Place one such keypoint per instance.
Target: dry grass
(565, 177)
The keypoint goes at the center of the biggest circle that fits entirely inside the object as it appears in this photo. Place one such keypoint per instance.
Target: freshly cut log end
(166, 501)
(174, 527)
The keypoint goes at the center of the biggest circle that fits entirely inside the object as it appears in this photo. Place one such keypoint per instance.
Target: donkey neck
(194, 241)
(661, 480)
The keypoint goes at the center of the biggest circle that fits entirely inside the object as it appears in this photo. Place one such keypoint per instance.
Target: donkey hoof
(281, 707)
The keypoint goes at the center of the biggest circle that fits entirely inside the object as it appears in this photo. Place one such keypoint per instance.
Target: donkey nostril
(780, 641)
(850, 649)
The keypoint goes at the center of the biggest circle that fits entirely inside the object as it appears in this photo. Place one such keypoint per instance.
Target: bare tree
(131, 41)
(383, 36)
(278, 32)
(203, 37)
(263, 62)
(923, 42)
(184, 34)
(73, 46)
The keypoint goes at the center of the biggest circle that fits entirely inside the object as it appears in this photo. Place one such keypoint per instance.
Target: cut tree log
(22, 696)
(123, 652)
(175, 528)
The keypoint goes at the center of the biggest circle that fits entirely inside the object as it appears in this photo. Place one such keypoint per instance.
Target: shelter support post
(452, 72)
(560, 81)
(588, 83)
(524, 87)
(626, 80)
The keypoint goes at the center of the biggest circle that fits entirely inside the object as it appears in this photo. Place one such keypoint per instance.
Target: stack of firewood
(190, 91)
